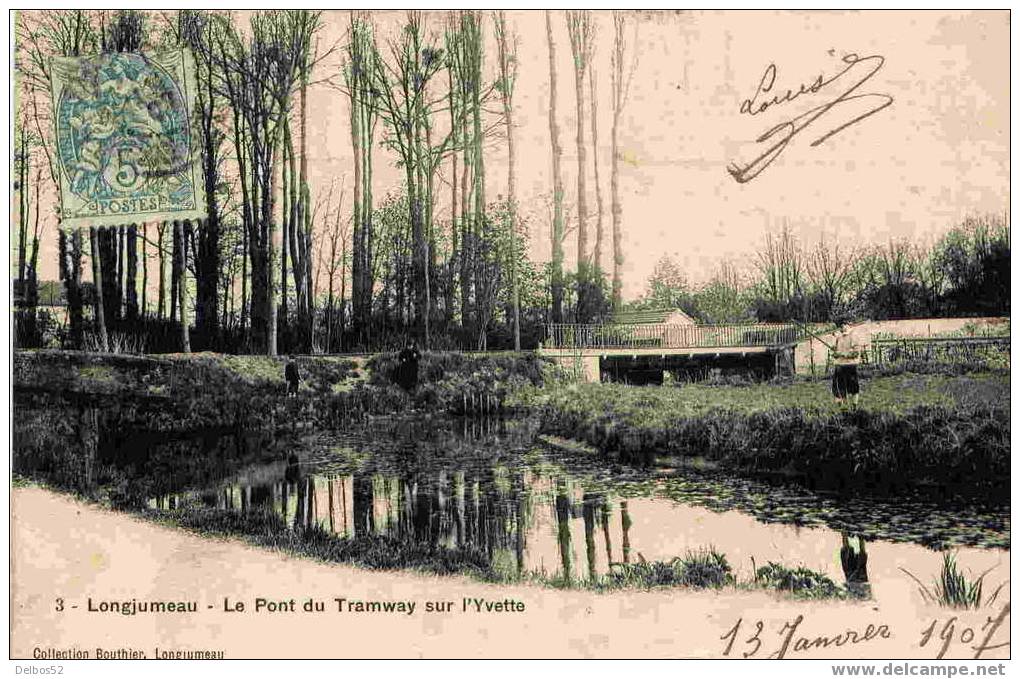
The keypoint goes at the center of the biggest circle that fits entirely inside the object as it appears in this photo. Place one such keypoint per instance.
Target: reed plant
(953, 588)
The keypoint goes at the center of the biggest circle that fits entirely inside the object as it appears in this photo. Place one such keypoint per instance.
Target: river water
(533, 507)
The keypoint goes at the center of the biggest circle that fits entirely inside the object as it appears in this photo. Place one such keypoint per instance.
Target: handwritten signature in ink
(857, 71)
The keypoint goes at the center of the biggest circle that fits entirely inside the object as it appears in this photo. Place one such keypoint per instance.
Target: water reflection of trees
(490, 511)
(853, 557)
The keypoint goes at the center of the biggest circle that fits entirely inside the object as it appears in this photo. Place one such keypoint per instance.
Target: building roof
(652, 316)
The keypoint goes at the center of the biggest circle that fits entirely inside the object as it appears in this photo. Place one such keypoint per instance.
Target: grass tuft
(953, 589)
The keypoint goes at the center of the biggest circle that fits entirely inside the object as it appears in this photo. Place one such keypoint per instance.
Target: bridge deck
(566, 352)
(668, 338)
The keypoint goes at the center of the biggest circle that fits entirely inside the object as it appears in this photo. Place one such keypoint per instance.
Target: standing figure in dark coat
(845, 358)
(293, 377)
(407, 367)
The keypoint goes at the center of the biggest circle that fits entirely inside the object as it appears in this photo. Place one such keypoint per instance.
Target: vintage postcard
(557, 334)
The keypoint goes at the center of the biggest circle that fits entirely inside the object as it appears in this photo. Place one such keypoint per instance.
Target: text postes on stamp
(123, 138)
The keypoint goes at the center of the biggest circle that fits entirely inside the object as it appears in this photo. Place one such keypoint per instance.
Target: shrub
(800, 581)
(700, 569)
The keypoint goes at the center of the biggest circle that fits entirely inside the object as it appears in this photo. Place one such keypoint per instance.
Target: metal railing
(668, 336)
(935, 349)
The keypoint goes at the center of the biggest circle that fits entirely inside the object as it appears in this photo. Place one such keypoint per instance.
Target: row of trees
(963, 273)
(275, 267)
(280, 265)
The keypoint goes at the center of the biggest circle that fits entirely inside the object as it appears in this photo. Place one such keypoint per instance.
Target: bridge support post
(589, 369)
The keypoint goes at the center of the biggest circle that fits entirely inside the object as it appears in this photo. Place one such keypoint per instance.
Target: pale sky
(939, 153)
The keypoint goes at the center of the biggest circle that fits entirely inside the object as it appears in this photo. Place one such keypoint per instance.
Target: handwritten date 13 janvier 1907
(942, 636)
(857, 70)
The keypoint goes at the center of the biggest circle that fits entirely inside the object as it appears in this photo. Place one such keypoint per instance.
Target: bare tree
(359, 73)
(145, 270)
(39, 36)
(21, 162)
(581, 29)
(507, 45)
(258, 73)
(131, 272)
(621, 90)
(409, 109)
(199, 31)
(599, 205)
(297, 220)
(161, 251)
(896, 269)
(32, 285)
(456, 262)
(97, 279)
(932, 272)
(336, 267)
(829, 267)
(781, 266)
(557, 234)
(182, 285)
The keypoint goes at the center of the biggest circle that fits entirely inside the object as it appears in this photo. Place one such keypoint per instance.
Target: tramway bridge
(641, 353)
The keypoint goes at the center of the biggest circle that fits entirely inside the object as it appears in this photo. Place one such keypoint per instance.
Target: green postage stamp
(124, 141)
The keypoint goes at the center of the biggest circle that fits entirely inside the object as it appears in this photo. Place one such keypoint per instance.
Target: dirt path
(62, 548)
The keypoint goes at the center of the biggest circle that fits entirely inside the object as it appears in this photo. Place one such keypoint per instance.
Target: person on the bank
(407, 367)
(845, 359)
(290, 372)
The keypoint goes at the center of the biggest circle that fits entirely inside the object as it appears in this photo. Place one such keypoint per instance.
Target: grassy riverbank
(950, 433)
(189, 392)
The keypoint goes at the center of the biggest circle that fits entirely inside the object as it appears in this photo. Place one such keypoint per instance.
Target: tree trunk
(599, 206)
(454, 251)
(579, 47)
(582, 200)
(207, 252)
(357, 246)
(132, 272)
(619, 99)
(97, 279)
(478, 161)
(175, 272)
(287, 218)
(182, 285)
(507, 67)
(70, 274)
(360, 76)
(272, 307)
(32, 277)
(367, 220)
(244, 278)
(145, 269)
(119, 243)
(107, 240)
(32, 294)
(22, 164)
(557, 156)
(466, 240)
(306, 295)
